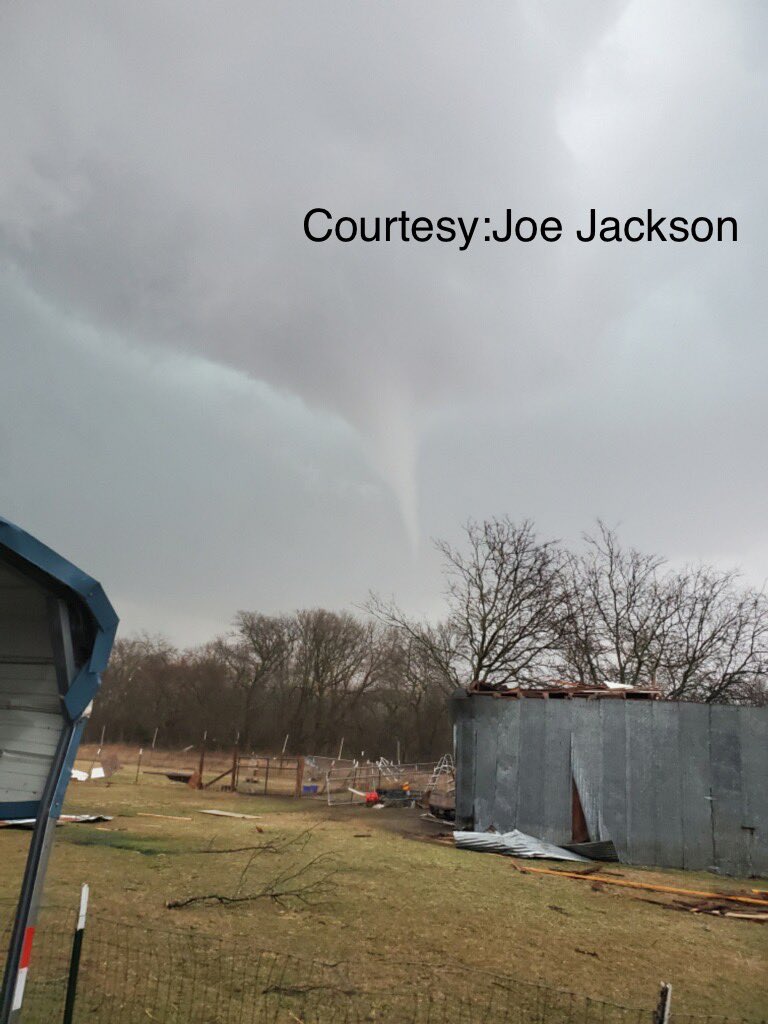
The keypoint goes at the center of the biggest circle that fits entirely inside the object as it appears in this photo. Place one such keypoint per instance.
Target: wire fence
(132, 975)
(333, 779)
(349, 783)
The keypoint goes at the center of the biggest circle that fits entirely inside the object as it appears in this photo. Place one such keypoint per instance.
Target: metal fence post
(663, 1012)
(74, 962)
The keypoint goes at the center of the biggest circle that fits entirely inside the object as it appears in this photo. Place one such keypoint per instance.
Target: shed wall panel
(505, 806)
(754, 765)
(698, 851)
(556, 823)
(641, 825)
(613, 808)
(530, 811)
(666, 778)
(725, 765)
(486, 767)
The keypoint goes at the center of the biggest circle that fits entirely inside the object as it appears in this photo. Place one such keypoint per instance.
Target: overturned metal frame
(56, 633)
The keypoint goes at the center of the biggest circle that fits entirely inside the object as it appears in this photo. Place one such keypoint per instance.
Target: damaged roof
(564, 690)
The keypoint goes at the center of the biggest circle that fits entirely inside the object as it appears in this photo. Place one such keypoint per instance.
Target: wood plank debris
(231, 814)
(647, 886)
(168, 817)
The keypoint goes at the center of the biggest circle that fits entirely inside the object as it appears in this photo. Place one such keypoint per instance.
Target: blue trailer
(56, 633)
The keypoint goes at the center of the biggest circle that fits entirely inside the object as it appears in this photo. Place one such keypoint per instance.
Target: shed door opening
(579, 830)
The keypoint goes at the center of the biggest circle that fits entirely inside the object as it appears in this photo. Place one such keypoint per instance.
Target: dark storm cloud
(157, 164)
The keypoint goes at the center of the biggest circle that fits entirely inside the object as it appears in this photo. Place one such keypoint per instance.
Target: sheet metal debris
(514, 844)
(604, 850)
(64, 819)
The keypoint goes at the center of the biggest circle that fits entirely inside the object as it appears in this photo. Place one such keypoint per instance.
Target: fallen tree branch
(280, 890)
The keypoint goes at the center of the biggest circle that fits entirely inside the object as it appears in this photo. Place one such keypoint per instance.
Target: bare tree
(336, 662)
(140, 673)
(698, 633)
(718, 646)
(619, 611)
(256, 653)
(411, 692)
(504, 595)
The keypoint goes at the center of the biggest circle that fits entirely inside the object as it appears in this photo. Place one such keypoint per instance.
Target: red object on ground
(371, 798)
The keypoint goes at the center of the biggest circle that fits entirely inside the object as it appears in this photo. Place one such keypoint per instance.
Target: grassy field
(397, 892)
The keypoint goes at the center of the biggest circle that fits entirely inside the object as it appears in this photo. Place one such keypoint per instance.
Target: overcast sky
(209, 412)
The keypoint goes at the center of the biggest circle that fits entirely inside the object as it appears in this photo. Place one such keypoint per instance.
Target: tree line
(520, 611)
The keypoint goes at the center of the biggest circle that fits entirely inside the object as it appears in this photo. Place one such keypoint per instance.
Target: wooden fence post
(201, 766)
(235, 753)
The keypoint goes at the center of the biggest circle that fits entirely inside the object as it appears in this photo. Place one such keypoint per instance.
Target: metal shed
(669, 783)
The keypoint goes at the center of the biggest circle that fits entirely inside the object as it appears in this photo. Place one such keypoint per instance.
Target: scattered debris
(107, 767)
(167, 817)
(442, 804)
(716, 908)
(182, 775)
(513, 844)
(231, 814)
(402, 783)
(604, 850)
(587, 952)
(378, 798)
(64, 819)
(590, 876)
(440, 795)
(82, 819)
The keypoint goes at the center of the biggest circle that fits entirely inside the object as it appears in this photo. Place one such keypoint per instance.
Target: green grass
(149, 846)
(398, 895)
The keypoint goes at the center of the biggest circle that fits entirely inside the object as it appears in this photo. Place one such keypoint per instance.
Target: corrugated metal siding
(465, 762)
(507, 765)
(30, 718)
(557, 770)
(673, 784)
